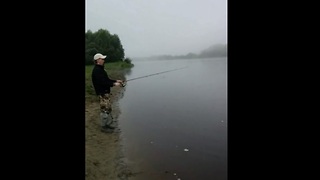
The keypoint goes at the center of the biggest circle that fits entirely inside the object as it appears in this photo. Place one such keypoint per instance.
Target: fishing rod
(125, 82)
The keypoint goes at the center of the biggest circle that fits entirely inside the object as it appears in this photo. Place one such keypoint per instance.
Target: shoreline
(104, 155)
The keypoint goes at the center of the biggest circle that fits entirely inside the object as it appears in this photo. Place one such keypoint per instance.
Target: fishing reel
(123, 84)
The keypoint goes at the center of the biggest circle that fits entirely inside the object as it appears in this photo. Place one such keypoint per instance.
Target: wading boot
(106, 129)
(109, 127)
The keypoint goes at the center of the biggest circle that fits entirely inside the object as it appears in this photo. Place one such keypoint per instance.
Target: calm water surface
(174, 125)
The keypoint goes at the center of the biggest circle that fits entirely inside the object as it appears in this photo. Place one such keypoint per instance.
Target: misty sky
(160, 27)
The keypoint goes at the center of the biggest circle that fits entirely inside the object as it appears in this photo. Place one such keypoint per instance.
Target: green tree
(105, 43)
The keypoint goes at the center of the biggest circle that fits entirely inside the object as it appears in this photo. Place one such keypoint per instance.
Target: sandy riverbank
(104, 157)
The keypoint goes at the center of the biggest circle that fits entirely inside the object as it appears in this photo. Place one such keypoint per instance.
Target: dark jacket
(100, 80)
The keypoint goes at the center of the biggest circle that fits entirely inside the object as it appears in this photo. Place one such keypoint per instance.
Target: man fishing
(102, 85)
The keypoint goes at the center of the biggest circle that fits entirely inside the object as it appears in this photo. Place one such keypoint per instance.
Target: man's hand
(122, 83)
(117, 84)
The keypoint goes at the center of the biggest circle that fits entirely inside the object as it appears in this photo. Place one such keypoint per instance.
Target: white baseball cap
(98, 56)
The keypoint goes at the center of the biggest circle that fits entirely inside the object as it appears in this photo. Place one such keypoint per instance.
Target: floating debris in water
(179, 179)
(151, 142)
(174, 174)
(186, 150)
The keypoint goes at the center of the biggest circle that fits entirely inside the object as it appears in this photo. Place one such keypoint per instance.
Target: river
(174, 123)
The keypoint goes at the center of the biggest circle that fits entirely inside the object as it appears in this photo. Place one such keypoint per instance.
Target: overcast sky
(160, 27)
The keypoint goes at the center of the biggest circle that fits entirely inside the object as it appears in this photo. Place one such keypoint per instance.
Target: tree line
(105, 43)
(217, 50)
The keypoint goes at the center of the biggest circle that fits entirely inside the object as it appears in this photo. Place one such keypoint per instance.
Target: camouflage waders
(105, 110)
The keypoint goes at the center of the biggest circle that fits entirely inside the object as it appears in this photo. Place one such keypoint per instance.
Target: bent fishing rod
(125, 82)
